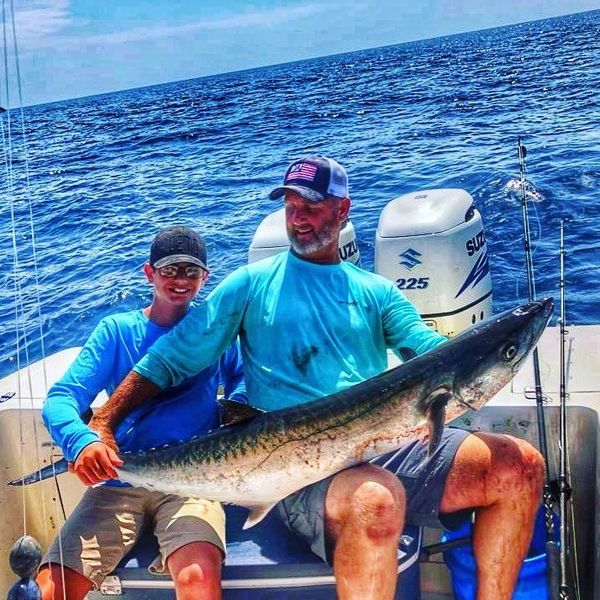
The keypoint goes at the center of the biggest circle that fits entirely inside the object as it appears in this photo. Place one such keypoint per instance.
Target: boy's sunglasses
(190, 272)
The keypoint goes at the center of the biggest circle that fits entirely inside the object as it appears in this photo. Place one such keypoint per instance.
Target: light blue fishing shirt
(177, 413)
(306, 330)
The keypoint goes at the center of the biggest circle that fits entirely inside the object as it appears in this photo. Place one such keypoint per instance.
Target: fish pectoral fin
(232, 412)
(257, 514)
(436, 417)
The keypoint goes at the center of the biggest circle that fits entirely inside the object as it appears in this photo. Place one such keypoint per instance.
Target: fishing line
(20, 324)
(29, 195)
(38, 303)
(7, 150)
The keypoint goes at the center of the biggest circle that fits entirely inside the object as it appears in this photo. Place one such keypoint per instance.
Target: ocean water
(106, 172)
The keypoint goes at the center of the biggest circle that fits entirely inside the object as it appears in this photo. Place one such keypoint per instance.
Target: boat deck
(261, 554)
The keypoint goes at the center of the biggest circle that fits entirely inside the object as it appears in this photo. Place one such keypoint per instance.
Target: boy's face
(176, 284)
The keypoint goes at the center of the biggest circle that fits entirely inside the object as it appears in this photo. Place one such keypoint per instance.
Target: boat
(432, 244)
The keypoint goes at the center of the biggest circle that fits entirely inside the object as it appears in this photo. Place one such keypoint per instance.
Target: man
(111, 517)
(309, 326)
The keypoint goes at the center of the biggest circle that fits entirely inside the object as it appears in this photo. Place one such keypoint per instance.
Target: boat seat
(264, 562)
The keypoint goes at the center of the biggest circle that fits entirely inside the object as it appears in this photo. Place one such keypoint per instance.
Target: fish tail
(60, 466)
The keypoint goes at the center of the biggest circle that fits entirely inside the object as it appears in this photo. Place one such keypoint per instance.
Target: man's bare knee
(520, 464)
(378, 509)
(534, 465)
(367, 498)
(486, 467)
(362, 483)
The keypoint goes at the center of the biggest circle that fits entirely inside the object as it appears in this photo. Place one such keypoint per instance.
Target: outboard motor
(432, 245)
(271, 237)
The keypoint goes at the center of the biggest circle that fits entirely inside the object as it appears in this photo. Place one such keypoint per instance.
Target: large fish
(262, 460)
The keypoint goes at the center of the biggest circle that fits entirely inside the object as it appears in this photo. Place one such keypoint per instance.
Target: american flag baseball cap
(315, 178)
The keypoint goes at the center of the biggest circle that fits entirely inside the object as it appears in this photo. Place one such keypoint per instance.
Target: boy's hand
(96, 463)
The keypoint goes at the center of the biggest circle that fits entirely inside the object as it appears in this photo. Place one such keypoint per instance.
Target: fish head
(488, 355)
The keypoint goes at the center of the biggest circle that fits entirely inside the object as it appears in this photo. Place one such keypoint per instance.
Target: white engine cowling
(432, 244)
(271, 237)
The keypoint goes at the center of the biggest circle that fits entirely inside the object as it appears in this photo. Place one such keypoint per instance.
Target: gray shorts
(108, 520)
(424, 481)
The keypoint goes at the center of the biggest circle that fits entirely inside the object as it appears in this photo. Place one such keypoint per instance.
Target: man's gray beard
(326, 238)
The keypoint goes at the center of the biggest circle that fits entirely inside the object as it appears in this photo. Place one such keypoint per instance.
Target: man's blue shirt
(306, 330)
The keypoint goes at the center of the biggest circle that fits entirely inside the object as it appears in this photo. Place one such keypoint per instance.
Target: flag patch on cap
(303, 170)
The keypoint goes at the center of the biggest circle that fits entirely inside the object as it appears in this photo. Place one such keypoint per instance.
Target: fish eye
(510, 351)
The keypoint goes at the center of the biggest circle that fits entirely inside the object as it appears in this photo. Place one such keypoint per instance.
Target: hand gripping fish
(258, 462)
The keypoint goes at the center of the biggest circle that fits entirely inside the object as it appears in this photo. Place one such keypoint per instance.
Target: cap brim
(305, 192)
(176, 258)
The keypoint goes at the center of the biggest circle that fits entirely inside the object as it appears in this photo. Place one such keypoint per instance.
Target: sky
(72, 48)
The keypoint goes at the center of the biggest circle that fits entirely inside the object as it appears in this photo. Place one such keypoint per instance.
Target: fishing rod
(562, 434)
(552, 550)
(564, 489)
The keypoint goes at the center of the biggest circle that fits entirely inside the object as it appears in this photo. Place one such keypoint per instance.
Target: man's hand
(96, 463)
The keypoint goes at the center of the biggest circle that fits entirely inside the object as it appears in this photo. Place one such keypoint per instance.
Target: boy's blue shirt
(176, 414)
(306, 330)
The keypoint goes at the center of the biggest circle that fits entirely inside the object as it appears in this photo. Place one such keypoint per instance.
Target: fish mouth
(545, 304)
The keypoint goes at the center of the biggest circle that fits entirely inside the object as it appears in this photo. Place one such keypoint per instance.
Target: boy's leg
(191, 535)
(196, 571)
(100, 531)
(61, 583)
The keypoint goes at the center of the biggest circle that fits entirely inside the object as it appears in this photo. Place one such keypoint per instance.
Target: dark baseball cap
(315, 178)
(178, 244)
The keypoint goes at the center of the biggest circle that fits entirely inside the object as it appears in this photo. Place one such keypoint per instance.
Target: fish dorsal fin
(436, 417)
(232, 412)
(257, 513)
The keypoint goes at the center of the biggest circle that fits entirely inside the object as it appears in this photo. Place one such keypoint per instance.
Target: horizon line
(291, 62)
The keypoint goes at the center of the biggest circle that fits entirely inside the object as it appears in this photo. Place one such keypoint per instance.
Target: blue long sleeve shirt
(306, 330)
(178, 413)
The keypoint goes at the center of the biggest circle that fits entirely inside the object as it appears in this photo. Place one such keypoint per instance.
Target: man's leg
(191, 536)
(364, 515)
(50, 581)
(503, 477)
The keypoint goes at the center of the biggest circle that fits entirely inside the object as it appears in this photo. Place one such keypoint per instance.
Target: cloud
(58, 20)
(36, 21)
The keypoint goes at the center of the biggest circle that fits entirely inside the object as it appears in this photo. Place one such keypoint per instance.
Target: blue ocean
(104, 173)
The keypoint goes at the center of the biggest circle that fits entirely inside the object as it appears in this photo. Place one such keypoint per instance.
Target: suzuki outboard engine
(432, 245)
(271, 237)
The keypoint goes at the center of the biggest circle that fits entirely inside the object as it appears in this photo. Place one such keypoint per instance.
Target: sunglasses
(171, 271)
